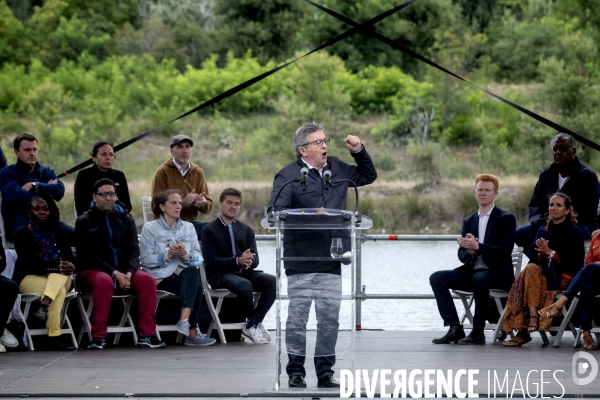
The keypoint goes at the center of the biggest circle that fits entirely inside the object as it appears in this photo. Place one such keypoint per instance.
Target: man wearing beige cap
(180, 173)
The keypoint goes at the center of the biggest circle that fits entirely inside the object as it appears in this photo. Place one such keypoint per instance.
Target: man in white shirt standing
(485, 248)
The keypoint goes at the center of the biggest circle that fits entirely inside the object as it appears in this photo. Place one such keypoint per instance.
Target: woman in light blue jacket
(171, 254)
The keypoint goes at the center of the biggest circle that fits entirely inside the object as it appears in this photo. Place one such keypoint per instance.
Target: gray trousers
(326, 291)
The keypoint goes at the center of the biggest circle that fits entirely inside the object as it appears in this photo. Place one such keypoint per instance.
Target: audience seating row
(126, 323)
(85, 304)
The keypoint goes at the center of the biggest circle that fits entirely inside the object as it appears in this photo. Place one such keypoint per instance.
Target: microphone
(304, 172)
(327, 177)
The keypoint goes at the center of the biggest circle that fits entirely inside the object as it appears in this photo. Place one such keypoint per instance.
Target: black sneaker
(55, 343)
(42, 312)
(151, 342)
(97, 344)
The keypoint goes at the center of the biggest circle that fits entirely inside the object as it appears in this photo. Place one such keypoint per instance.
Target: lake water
(388, 267)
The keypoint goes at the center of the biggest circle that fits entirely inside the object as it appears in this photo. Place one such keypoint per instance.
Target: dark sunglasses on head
(562, 149)
(104, 195)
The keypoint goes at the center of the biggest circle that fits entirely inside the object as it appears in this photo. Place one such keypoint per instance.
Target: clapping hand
(177, 250)
(541, 246)
(190, 199)
(200, 200)
(469, 242)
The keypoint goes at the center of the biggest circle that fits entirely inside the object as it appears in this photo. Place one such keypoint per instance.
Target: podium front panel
(315, 264)
(316, 218)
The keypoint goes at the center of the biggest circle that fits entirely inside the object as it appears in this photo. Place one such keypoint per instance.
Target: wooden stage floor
(243, 370)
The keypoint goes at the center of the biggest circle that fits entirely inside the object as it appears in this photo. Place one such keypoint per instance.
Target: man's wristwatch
(34, 186)
(551, 256)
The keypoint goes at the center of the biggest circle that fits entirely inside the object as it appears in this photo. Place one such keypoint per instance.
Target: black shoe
(42, 312)
(328, 382)
(297, 381)
(54, 343)
(454, 334)
(473, 338)
(502, 335)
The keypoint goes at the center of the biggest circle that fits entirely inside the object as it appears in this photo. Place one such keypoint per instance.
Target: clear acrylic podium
(311, 300)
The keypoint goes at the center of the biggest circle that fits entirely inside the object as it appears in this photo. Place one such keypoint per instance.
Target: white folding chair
(496, 294)
(595, 330)
(160, 295)
(220, 294)
(125, 324)
(65, 323)
(567, 313)
(147, 213)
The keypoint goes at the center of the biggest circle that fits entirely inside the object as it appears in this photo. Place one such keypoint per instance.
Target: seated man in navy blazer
(487, 263)
(230, 255)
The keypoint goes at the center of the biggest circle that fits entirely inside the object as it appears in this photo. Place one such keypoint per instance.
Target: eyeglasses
(40, 208)
(104, 195)
(563, 149)
(318, 142)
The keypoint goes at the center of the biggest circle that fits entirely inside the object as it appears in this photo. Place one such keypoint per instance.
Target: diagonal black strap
(398, 46)
(249, 82)
(116, 148)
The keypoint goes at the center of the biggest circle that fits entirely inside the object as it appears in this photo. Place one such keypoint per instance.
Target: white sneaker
(8, 340)
(2, 348)
(264, 332)
(254, 335)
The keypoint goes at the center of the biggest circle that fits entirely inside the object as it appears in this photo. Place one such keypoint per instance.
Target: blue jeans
(187, 286)
(588, 282)
(326, 291)
(9, 290)
(243, 284)
(477, 281)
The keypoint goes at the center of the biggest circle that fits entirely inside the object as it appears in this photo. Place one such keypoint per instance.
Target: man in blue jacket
(318, 281)
(20, 181)
(485, 248)
(567, 174)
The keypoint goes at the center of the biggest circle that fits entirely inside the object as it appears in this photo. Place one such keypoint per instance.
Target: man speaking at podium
(318, 185)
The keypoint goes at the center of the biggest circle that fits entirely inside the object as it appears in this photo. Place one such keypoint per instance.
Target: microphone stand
(356, 213)
(272, 213)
